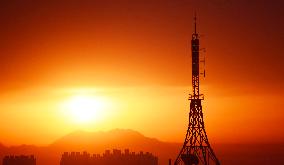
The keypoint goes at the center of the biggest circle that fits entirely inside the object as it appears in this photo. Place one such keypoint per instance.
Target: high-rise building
(19, 160)
(108, 158)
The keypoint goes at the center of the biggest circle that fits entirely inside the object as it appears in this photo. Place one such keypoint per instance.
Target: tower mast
(196, 148)
(195, 61)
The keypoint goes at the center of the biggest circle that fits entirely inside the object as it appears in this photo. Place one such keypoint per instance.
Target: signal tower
(196, 148)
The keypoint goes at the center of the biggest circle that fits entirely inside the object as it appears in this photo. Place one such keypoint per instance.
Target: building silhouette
(108, 158)
(19, 160)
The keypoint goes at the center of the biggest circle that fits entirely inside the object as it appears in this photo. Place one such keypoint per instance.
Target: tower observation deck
(196, 148)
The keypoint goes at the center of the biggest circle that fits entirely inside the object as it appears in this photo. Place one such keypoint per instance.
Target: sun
(84, 109)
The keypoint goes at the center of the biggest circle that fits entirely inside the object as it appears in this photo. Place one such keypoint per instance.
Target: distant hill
(98, 142)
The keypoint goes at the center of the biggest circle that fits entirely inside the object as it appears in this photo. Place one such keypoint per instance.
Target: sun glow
(84, 109)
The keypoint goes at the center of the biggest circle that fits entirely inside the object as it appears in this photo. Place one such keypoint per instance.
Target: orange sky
(135, 54)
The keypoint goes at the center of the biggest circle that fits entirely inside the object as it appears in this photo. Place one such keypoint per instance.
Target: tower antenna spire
(195, 20)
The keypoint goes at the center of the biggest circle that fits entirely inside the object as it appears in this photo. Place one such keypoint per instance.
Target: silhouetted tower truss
(196, 148)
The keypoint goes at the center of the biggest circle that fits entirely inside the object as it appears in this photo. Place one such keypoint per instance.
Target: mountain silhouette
(96, 142)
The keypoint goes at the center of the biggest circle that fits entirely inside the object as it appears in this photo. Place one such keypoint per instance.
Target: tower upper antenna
(195, 19)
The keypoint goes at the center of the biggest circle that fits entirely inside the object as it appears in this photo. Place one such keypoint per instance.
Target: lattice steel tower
(196, 148)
